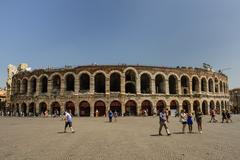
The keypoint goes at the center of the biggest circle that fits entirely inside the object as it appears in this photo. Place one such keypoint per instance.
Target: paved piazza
(130, 138)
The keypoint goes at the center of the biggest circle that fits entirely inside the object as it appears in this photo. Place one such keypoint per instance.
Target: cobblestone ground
(129, 138)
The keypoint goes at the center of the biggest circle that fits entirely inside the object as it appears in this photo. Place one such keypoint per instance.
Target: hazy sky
(46, 33)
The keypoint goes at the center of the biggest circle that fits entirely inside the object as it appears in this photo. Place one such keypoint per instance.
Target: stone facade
(235, 100)
(124, 88)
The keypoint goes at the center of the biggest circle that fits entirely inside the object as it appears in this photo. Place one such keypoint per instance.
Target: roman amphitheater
(127, 89)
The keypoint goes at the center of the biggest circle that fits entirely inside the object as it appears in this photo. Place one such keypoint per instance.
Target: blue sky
(149, 32)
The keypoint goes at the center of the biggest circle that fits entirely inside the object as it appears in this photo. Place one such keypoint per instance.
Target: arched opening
(55, 109)
(70, 83)
(160, 105)
(99, 109)
(185, 85)
(18, 86)
(224, 87)
(100, 84)
(172, 84)
(186, 106)
(70, 106)
(131, 108)
(195, 85)
(212, 105)
(218, 107)
(222, 105)
(205, 107)
(32, 109)
(116, 106)
(84, 83)
(33, 83)
(84, 109)
(24, 109)
(24, 86)
(42, 108)
(203, 85)
(196, 105)
(210, 85)
(56, 84)
(221, 86)
(147, 106)
(160, 84)
(115, 82)
(130, 82)
(174, 108)
(44, 84)
(145, 83)
(216, 86)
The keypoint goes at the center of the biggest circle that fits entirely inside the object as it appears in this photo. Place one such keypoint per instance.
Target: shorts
(68, 124)
(184, 122)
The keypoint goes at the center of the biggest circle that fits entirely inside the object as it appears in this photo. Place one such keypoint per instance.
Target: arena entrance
(70, 106)
(174, 108)
(205, 107)
(131, 108)
(146, 106)
(160, 106)
(186, 106)
(55, 109)
(24, 109)
(196, 105)
(32, 109)
(116, 106)
(84, 109)
(42, 108)
(99, 109)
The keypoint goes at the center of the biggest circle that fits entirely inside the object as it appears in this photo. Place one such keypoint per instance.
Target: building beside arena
(128, 89)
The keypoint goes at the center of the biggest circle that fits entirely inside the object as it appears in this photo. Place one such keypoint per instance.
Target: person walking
(224, 116)
(198, 118)
(228, 116)
(189, 122)
(110, 115)
(115, 115)
(183, 119)
(68, 121)
(213, 115)
(163, 122)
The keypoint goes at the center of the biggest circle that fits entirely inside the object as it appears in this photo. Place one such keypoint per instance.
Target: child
(189, 122)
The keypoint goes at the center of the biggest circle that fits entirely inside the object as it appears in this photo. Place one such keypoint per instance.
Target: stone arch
(222, 105)
(212, 105)
(185, 84)
(130, 81)
(33, 85)
(210, 85)
(84, 109)
(131, 108)
(100, 82)
(84, 79)
(205, 107)
(145, 83)
(221, 86)
(203, 84)
(174, 107)
(186, 105)
(218, 107)
(18, 86)
(196, 105)
(44, 83)
(32, 109)
(195, 84)
(43, 108)
(216, 85)
(116, 106)
(160, 84)
(70, 82)
(24, 108)
(70, 106)
(147, 106)
(99, 108)
(160, 105)
(56, 82)
(55, 108)
(115, 82)
(24, 85)
(173, 84)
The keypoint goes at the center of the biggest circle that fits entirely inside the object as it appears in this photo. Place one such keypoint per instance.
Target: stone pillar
(166, 87)
(38, 90)
(29, 88)
(107, 84)
(179, 92)
(138, 86)
(77, 85)
(62, 90)
(153, 90)
(92, 87)
(199, 86)
(49, 87)
(91, 109)
(190, 88)
(77, 109)
(122, 85)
